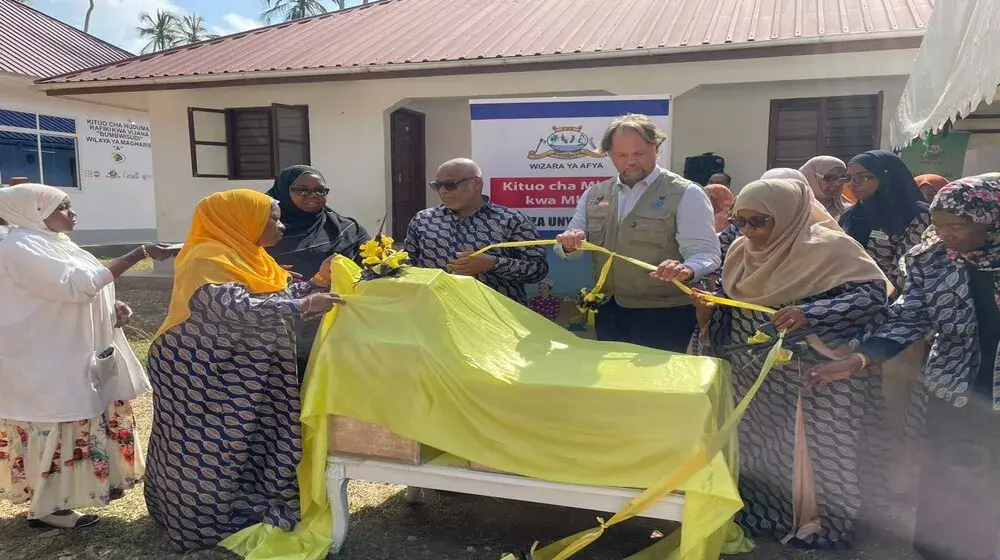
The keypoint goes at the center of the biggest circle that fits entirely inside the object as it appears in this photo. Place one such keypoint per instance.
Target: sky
(115, 20)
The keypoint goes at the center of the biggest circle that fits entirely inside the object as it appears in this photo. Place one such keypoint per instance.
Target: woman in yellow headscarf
(225, 441)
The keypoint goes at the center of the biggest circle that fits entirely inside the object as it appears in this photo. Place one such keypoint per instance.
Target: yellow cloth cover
(461, 368)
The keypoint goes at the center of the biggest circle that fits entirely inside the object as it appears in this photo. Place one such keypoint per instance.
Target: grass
(383, 526)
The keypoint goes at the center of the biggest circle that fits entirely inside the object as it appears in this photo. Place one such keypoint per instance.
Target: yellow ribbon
(699, 458)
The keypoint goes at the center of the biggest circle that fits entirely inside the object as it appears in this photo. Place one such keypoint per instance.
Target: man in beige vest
(653, 215)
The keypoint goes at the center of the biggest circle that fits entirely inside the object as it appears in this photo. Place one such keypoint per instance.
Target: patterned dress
(67, 465)
(226, 438)
(436, 235)
(834, 417)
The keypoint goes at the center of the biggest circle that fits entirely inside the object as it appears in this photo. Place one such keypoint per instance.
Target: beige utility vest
(647, 233)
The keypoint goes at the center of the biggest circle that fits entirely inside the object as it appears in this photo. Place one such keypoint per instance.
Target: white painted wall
(349, 120)
(110, 210)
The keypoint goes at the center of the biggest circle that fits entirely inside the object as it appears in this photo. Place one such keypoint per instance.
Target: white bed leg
(336, 488)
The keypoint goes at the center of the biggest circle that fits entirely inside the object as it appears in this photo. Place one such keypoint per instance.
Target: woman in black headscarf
(889, 220)
(313, 232)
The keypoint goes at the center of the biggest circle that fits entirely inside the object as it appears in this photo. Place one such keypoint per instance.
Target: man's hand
(466, 265)
(571, 239)
(669, 271)
(123, 314)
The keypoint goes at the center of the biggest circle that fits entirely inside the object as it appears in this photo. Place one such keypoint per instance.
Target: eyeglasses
(756, 222)
(310, 192)
(449, 185)
(860, 179)
(842, 178)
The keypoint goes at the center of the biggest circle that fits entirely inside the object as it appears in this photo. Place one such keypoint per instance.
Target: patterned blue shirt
(436, 235)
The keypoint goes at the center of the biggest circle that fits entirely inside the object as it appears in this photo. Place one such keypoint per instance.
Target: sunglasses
(310, 192)
(755, 222)
(836, 178)
(448, 185)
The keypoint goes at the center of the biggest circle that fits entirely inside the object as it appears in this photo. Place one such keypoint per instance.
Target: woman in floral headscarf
(951, 295)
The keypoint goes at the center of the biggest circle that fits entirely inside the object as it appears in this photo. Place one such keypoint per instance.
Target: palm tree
(191, 29)
(289, 10)
(161, 30)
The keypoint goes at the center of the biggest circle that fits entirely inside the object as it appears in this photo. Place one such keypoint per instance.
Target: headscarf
(976, 199)
(893, 206)
(786, 173)
(721, 196)
(28, 205)
(807, 254)
(817, 168)
(222, 248)
(311, 237)
(936, 182)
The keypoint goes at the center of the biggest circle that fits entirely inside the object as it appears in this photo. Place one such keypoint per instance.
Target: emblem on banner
(565, 142)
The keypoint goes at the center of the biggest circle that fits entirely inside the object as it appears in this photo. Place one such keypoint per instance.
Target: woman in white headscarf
(67, 434)
(793, 257)
(827, 176)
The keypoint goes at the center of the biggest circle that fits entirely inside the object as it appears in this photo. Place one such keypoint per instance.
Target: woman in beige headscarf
(827, 176)
(793, 257)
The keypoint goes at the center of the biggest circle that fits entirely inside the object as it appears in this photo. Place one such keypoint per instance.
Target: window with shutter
(842, 127)
(248, 142)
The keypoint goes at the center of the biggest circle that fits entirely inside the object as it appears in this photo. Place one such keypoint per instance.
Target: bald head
(460, 168)
(460, 185)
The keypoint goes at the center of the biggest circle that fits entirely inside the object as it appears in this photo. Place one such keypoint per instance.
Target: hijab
(817, 168)
(976, 199)
(806, 255)
(311, 237)
(721, 196)
(222, 248)
(28, 205)
(786, 173)
(893, 206)
(936, 182)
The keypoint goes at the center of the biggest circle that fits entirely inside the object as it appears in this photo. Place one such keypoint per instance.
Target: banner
(540, 155)
(115, 150)
(942, 155)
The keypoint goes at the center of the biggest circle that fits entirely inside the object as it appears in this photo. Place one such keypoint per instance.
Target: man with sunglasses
(444, 236)
(653, 215)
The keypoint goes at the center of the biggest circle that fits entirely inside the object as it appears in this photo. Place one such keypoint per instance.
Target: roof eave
(789, 47)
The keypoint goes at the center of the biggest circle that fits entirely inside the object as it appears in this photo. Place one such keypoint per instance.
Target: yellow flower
(783, 357)
(371, 261)
(395, 259)
(590, 298)
(387, 242)
(370, 249)
(758, 338)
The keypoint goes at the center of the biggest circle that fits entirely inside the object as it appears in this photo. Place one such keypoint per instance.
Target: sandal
(63, 519)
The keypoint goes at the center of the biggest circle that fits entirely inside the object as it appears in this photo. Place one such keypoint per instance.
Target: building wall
(110, 210)
(349, 120)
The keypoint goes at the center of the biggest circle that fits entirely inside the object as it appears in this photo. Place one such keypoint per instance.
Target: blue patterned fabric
(937, 301)
(436, 236)
(888, 249)
(726, 238)
(226, 438)
(836, 416)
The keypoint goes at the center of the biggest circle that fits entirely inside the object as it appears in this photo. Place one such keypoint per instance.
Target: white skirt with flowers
(69, 465)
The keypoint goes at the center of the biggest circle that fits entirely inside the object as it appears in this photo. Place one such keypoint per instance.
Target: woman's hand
(295, 276)
(820, 375)
(789, 319)
(160, 251)
(319, 303)
(323, 278)
(123, 314)
(703, 309)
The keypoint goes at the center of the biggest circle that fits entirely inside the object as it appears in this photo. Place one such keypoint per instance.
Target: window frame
(38, 132)
(822, 129)
(274, 138)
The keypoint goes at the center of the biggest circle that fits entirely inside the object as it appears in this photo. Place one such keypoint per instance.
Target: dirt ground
(383, 526)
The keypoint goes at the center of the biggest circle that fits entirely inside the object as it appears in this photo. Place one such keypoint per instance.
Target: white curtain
(957, 68)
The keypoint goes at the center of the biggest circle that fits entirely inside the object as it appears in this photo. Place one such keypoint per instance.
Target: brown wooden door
(409, 174)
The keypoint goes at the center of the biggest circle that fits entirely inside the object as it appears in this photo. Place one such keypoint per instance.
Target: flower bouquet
(380, 260)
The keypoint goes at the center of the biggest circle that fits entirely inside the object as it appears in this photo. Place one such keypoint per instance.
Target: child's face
(543, 290)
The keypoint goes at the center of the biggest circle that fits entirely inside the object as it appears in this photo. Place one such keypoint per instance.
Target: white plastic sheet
(956, 69)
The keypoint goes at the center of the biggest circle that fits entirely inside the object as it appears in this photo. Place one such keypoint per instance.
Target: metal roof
(403, 33)
(34, 44)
